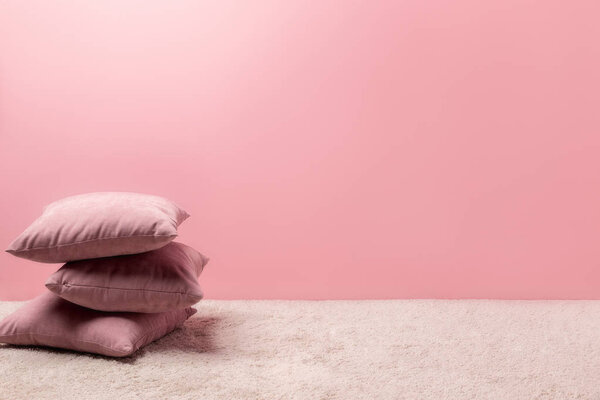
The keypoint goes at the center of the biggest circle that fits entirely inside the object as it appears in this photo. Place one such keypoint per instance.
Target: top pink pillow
(99, 225)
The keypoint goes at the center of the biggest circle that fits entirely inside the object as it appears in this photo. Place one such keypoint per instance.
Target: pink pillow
(156, 281)
(99, 225)
(51, 321)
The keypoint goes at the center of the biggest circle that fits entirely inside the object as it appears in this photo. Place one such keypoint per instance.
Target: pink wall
(328, 149)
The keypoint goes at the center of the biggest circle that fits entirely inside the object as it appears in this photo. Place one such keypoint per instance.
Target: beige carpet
(414, 349)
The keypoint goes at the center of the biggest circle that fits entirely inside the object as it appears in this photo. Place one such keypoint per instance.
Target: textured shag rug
(398, 349)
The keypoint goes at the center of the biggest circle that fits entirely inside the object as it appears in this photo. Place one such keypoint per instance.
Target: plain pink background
(325, 149)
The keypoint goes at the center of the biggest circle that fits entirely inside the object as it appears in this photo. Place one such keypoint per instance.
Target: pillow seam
(61, 336)
(115, 288)
(86, 241)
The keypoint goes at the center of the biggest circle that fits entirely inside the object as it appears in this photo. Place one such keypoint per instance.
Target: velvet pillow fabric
(155, 281)
(99, 225)
(51, 321)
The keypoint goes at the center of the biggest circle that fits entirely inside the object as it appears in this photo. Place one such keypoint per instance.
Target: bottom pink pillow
(51, 321)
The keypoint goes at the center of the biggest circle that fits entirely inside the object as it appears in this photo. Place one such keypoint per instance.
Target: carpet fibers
(398, 349)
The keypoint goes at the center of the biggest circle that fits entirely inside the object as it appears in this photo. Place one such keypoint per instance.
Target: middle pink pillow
(156, 281)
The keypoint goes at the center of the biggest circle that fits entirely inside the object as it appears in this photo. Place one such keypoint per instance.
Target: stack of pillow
(125, 282)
